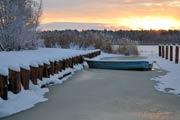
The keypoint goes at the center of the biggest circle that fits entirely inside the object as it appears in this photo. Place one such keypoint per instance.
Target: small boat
(119, 65)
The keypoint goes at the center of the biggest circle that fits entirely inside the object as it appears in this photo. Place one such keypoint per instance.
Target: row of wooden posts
(15, 80)
(166, 51)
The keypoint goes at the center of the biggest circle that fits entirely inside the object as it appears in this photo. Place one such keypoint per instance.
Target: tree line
(127, 40)
(147, 37)
(89, 39)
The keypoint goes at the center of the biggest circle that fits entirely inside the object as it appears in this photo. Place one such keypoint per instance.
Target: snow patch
(169, 83)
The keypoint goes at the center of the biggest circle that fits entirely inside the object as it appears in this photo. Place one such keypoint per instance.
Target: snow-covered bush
(18, 22)
(127, 47)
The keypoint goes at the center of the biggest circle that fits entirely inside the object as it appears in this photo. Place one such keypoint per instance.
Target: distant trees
(18, 22)
(80, 40)
(148, 37)
(104, 39)
(89, 39)
(127, 41)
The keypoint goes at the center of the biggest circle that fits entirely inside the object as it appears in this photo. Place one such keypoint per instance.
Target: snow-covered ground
(169, 83)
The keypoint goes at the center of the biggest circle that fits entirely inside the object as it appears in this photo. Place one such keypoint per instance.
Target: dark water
(106, 95)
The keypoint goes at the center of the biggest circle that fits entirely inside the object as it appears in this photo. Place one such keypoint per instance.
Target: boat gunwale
(117, 61)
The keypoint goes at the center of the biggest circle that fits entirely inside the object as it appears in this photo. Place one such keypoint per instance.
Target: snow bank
(169, 83)
(22, 101)
(15, 60)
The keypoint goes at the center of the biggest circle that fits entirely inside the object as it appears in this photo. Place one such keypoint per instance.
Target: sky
(125, 14)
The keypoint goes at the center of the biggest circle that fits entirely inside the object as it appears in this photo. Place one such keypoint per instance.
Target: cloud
(107, 11)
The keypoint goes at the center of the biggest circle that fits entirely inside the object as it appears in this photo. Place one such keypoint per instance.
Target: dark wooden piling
(34, 74)
(81, 60)
(40, 72)
(167, 52)
(64, 64)
(71, 63)
(25, 77)
(177, 55)
(163, 51)
(77, 59)
(51, 68)
(56, 66)
(171, 53)
(4, 87)
(74, 60)
(67, 63)
(60, 66)
(14, 81)
(46, 71)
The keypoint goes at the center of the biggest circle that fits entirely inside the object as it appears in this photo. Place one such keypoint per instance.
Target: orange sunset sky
(125, 14)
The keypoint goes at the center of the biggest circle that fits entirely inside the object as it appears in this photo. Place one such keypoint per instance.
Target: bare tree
(18, 22)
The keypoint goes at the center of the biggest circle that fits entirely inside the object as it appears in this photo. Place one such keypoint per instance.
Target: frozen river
(93, 94)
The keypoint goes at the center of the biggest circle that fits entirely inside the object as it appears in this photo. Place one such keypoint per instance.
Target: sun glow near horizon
(116, 14)
(129, 23)
(148, 23)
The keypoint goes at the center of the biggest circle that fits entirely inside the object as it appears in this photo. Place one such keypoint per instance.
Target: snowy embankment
(169, 83)
(28, 98)
(24, 59)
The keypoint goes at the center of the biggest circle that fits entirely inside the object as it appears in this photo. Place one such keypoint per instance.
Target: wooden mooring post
(34, 74)
(167, 52)
(71, 62)
(177, 55)
(171, 53)
(14, 81)
(4, 87)
(46, 71)
(163, 51)
(25, 77)
(60, 66)
(51, 68)
(160, 52)
(56, 66)
(40, 72)
(64, 64)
